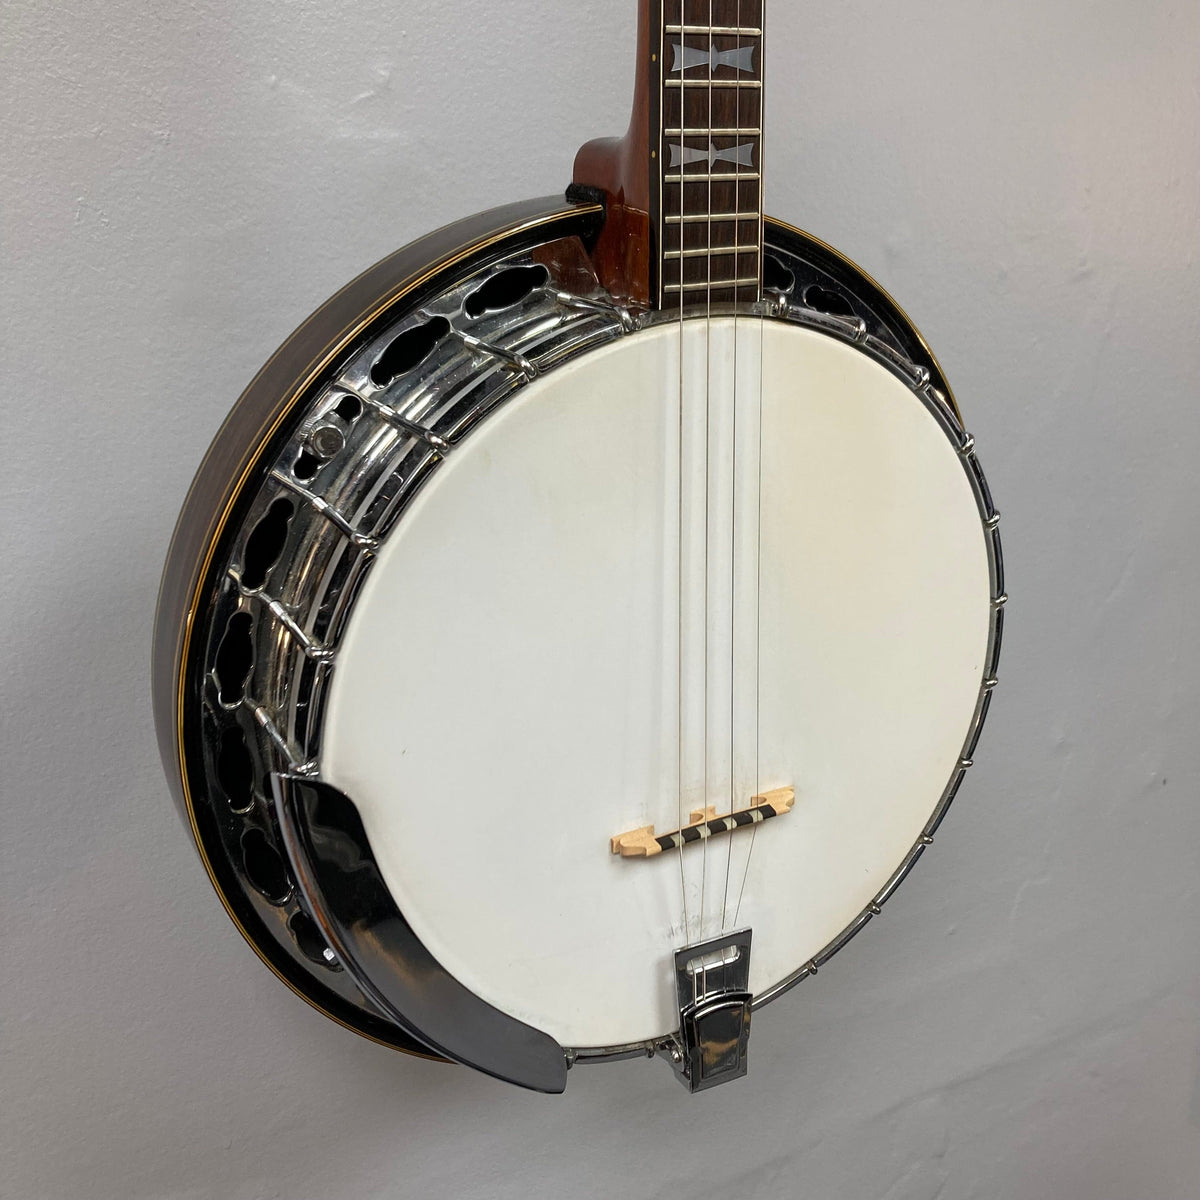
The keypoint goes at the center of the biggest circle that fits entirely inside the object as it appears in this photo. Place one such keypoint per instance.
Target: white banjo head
(507, 695)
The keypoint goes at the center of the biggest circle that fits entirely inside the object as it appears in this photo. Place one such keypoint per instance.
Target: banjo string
(737, 241)
(680, 647)
(707, 469)
(762, 322)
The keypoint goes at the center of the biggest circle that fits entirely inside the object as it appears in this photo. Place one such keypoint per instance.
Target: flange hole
(349, 408)
(408, 351)
(264, 866)
(776, 277)
(306, 466)
(265, 544)
(505, 289)
(235, 770)
(826, 300)
(310, 942)
(235, 659)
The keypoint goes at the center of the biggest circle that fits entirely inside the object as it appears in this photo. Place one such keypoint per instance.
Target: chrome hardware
(938, 396)
(510, 358)
(362, 540)
(602, 307)
(327, 438)
(268, 726)
(411, 428)
(712, 983)
(313, 650)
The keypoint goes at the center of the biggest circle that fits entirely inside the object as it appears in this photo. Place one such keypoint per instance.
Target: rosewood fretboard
(708, 205)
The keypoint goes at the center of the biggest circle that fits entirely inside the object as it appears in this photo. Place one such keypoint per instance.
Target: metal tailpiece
(712, 982)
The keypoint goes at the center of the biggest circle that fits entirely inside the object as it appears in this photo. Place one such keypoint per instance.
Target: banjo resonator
(629, 510)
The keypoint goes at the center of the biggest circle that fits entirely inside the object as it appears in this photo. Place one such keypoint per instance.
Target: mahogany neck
(684, 186)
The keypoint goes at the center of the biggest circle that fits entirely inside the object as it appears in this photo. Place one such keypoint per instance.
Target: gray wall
(182, 183)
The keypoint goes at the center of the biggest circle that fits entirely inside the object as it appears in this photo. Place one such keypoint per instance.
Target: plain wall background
(182, 183)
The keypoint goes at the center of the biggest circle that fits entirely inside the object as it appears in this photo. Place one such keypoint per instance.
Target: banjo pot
(562, 653)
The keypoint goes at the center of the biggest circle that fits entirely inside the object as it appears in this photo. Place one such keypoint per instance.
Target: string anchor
(712, 982)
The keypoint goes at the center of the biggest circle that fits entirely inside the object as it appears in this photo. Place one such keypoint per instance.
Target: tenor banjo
(582, 625)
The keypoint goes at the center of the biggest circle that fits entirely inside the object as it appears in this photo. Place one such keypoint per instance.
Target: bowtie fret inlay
(740, 58)
(740, 156)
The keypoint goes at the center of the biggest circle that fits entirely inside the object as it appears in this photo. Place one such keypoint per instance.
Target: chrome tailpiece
(712, 982)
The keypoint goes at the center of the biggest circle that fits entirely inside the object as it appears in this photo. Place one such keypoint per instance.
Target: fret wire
(721, 177)
(717, 30)
(692, 82)
(716, 285)
(693, 218)
(714, 251)
(698, 132)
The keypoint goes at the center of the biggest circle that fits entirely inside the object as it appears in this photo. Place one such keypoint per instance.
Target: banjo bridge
(704, 824)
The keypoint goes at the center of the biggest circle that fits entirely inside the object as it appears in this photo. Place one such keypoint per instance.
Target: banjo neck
(683, 187)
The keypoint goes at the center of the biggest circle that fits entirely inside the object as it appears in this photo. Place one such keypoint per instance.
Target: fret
(712, 285)
(713, 218)
(740, 31)
(720, 269)
(716, 177)
(711, 251)
(748, 84)
(725, 198)
(700, 131)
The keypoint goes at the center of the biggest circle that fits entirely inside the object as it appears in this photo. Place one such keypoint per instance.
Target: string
(737, 241)
(757, 631)
(679, 648)
(707, 458)
(762, 322)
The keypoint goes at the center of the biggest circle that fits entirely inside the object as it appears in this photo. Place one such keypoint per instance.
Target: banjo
(581, 626)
